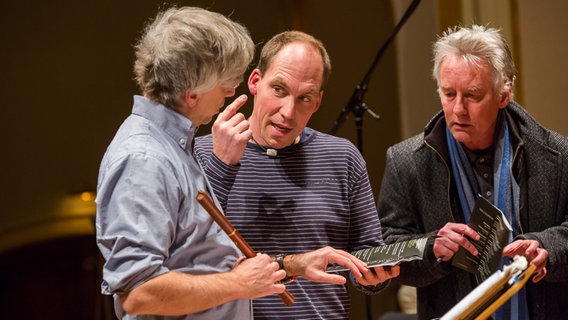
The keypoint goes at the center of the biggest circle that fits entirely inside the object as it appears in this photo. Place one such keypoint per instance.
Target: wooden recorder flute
(241, 243)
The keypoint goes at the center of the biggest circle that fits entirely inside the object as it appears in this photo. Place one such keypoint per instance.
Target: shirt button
(481, 160)
(488, 193)
(182, 141)
(486, 175)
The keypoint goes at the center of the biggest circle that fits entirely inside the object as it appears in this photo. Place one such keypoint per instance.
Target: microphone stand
(355, 103)
(358, 107)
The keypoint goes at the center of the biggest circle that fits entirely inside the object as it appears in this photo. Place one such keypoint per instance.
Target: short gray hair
(190, 48)
(476, 45)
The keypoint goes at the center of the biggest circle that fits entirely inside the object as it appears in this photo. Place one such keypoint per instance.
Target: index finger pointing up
(233, 108)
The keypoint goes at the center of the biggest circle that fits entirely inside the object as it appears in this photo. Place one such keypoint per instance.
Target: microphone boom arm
(355, 103)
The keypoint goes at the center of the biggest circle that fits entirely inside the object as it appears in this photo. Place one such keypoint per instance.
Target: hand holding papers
(494, 231)
(388, 255)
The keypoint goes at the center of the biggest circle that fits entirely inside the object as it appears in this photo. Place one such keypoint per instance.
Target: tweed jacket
(418, 197)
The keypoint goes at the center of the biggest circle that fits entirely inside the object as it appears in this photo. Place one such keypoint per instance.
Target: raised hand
(231, 132)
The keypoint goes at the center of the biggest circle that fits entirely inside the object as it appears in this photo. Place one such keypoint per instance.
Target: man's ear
(253, 80)
(190, 99)
(505, 97)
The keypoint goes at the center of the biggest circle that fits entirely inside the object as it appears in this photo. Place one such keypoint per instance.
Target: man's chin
(461, 136)
(204, 122)
(281, 143)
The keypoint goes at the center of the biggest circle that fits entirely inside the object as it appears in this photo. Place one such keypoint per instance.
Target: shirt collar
(178, 127)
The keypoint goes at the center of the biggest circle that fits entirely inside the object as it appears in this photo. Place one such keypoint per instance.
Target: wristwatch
(279, 258)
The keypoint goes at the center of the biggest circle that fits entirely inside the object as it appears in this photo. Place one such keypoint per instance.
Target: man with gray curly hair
(480, 143)
(165, 257)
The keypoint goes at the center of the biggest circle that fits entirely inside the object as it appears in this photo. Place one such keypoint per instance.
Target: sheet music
(388, 255)
(494, 231)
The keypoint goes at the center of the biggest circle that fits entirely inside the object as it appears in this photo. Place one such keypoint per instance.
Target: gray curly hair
(476, 45)
(190, 48)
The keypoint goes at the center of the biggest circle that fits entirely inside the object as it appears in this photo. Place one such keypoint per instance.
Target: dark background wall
(66, 85)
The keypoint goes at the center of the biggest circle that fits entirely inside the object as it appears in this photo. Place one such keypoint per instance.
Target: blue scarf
(506, 198)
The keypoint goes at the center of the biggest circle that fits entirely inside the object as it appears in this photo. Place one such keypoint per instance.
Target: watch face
(280, 261)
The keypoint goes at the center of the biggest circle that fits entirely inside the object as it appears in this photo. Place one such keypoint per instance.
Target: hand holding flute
(241, 243)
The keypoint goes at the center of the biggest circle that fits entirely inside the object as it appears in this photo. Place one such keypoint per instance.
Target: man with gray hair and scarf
(481, 142)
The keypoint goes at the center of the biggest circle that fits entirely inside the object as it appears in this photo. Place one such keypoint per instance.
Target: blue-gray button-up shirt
(148, 220)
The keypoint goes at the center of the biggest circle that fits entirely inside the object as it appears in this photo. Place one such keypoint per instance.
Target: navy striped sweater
(312, 194)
